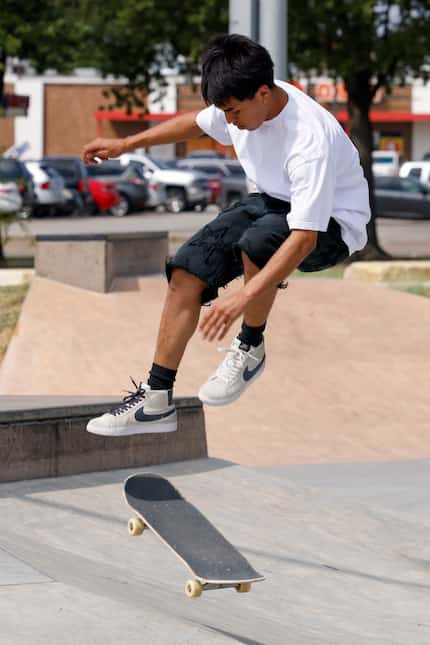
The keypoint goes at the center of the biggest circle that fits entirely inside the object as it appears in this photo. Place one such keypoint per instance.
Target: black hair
(234, 66)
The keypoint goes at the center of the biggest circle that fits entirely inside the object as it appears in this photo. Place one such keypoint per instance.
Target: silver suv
(230, 173)
(185, 189)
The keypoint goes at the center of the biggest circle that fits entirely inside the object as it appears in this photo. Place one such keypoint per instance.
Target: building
(68, 111)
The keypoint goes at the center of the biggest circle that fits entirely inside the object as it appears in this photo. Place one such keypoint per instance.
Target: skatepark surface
(345, 379)
(338, 569)
(319, 474)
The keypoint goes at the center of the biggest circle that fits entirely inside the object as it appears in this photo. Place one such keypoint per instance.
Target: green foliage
(137, 38)
(382, 42)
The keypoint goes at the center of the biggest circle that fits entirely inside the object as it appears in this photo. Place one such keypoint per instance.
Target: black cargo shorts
(258, 226)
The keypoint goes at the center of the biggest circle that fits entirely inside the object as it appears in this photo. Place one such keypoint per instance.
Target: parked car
(10, 197)
(184, 189)
(105, 195)
(49, 188)
(385, 162)
(204, 154)
(401, 197)
(129, 180)
(227, 178)
(75, 176)
(13, 170)
(419, 170)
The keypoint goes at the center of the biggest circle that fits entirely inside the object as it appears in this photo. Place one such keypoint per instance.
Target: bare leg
(257, 312)
(179, 318)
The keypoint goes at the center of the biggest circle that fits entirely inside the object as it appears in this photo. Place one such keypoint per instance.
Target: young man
(310, 212)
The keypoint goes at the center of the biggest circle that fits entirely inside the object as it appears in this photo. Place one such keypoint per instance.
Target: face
(248, 114)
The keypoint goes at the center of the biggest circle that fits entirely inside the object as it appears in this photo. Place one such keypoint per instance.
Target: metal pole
(243, 18)
(273, 33)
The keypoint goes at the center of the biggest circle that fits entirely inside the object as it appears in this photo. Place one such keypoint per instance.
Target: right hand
(103, 149)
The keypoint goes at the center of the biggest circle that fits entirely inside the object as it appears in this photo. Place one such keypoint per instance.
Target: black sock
(251, 335)
(161, 378)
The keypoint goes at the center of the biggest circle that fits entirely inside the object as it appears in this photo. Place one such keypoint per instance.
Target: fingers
(215, 325)
(94, 151)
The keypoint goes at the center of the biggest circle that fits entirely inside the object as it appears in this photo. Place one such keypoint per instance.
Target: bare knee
(249, 268)
(185, 284)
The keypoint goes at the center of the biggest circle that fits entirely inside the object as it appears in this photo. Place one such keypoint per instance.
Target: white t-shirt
(302, 156)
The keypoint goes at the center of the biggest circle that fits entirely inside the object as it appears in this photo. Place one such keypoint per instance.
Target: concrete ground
(330, 501)
(337, 570)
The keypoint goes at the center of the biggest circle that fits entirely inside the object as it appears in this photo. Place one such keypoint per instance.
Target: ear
(263, 93)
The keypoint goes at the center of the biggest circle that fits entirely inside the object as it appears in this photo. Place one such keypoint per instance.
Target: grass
(11, 300)
(418, 290)
(334, 273)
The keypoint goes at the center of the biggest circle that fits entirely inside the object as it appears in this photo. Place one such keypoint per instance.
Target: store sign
(327, 92)
(14, 105)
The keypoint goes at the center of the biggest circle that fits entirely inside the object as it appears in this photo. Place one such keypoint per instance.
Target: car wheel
(232, 198)
(122, 208)
(176, 201)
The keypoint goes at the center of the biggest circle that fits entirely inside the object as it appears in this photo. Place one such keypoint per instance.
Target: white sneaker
(144, 410)
(241, 367)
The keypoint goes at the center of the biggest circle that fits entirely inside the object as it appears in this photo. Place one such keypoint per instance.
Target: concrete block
(50, 439)
(94, 261)
(396, 271)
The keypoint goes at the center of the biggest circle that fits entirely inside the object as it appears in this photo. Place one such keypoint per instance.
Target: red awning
(119, 115)
(387, 117)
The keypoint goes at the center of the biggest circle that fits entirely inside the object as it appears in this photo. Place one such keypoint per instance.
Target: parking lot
(404, 238)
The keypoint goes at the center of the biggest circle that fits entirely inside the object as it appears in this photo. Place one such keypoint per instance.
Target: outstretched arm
(179, 128)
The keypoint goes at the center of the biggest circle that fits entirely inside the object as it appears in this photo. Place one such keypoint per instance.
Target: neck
(279, 100)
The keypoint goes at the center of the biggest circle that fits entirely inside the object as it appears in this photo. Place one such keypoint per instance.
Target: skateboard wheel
(244, 587)
(135, 526)
(193, 589)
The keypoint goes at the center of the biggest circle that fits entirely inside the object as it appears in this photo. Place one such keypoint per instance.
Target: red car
(105, 195)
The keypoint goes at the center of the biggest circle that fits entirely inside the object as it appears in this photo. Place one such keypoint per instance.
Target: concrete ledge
(408, 271)
(94, 261)
(46, 437)
(15, 277)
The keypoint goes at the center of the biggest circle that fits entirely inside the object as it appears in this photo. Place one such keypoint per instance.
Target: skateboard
(212, 560)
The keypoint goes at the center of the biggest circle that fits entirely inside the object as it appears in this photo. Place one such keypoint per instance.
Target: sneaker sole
(130, 430)
(233, 398)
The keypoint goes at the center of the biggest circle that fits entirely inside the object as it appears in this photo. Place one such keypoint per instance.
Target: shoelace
(132, 398)
(232, 365)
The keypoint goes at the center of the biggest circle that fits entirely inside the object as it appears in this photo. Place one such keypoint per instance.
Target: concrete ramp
(346, 377)
(337, 571)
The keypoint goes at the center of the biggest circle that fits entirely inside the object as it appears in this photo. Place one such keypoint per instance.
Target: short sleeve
(212, 121)
(312, 193)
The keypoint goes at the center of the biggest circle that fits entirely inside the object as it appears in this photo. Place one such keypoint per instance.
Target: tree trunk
(2, 71)
(359, 103)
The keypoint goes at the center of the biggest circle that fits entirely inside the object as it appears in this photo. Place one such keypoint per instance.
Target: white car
(183, 188)
(49, 188)
(385, 163)
(10, 198)
(418, 170)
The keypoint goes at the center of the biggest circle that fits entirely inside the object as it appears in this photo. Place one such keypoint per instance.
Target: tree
(48, 33)
(370, 45)
(135, 39)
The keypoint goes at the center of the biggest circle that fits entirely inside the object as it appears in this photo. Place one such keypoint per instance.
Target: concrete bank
(47, 437)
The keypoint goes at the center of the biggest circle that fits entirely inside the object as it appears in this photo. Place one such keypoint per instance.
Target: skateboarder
(310, 212)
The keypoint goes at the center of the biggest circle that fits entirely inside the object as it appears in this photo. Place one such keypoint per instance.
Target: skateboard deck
(211, 558)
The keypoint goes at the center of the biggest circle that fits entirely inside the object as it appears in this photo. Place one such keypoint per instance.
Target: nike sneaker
(142, 411)
(242, 365)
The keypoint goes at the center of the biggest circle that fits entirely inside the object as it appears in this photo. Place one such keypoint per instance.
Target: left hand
(222, 314)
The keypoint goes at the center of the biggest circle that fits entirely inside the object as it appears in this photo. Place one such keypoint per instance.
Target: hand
(222, 315)
(103, 149)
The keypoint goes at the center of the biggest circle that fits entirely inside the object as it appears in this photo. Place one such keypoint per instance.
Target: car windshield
(10, 169)
(67, 169)
(236, 170)
(105, 169)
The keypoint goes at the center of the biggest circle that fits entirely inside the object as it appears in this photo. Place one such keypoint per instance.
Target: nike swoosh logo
(248, 374)
(140, 415)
